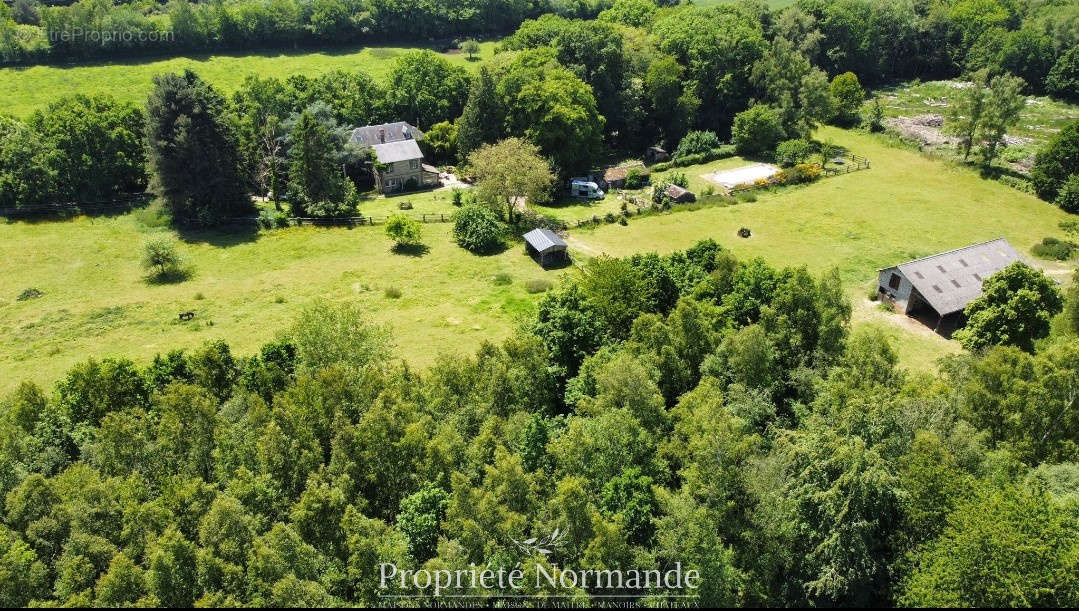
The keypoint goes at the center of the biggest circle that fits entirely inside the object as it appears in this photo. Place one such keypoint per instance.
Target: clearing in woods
(248, 287)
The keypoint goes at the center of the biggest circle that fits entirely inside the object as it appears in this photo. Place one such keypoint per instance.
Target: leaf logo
(545, 546)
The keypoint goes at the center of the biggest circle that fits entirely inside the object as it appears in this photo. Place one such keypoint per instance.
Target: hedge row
(720, 152)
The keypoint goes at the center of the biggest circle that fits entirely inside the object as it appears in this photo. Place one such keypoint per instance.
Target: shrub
(502, 279)
(538, 286)
(30, 293)
(697, 143)
(757, 131)
(1068, 196)
(457, 197)
(801, 173)
(1052, 248)
(272, 219)
(403, 230)
(478, 229)
(635, 179)
(162, 261)
(393, 292)
(404, 206)
(792, 152)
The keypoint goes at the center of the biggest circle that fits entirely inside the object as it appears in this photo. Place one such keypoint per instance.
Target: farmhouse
(400, 159)
(546, 246)
(937, 289)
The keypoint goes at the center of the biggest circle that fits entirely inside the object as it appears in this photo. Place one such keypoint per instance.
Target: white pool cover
(742, 176)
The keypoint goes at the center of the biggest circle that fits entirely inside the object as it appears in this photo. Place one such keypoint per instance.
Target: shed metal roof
(402, 150)
(950, 280)
(544, 240)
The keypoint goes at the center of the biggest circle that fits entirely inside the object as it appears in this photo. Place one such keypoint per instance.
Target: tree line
(638, 75)
(32, 31)
(689, 408)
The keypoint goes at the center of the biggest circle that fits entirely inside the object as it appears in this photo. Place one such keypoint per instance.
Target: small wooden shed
(680, 194)
(546, 246)
(656, 154)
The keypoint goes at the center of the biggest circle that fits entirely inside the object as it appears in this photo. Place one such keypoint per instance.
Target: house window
(389, 168)
(893, 282)
(414, 164)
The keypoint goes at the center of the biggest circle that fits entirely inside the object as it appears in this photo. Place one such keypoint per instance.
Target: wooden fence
(117, 204)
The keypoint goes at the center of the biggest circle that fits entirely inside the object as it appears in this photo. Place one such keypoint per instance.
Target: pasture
(246, 288)
(33, 87)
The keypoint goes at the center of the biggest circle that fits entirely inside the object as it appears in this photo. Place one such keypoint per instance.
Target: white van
(585, 189)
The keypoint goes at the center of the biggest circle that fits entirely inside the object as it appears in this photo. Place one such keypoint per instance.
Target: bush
(799, 174)
(1068, 196)
(502, 279)
(457, 197)
(393, 293)
(478, 229)
(272, 219)
(697, 143)
(757, 131)
(678, 178)
(162, 261)
(720, 152)
(538, 286)
(1052, 248)
(30, 293)
(792, 152)
(403, 230)
(635, 179)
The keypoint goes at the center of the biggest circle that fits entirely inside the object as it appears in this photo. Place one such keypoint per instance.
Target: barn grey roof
(544, 241)
(951, 280)
(402, 150)
(393, 132)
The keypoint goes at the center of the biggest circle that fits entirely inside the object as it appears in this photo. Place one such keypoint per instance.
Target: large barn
(937, 289)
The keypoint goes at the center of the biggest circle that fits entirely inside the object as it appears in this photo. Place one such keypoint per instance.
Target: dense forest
(689, 408)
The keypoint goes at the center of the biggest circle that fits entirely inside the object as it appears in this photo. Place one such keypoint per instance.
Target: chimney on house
(382, 135)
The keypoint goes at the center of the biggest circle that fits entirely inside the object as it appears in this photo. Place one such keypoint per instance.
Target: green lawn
(29, 88)
(246, 288)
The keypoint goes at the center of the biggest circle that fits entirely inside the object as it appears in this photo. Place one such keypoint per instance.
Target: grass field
(246, 288)
(29, 88)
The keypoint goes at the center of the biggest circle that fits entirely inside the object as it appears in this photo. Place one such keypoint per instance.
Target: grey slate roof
(402, 150)
(951, 280)
(396, 131)
(544, 241)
